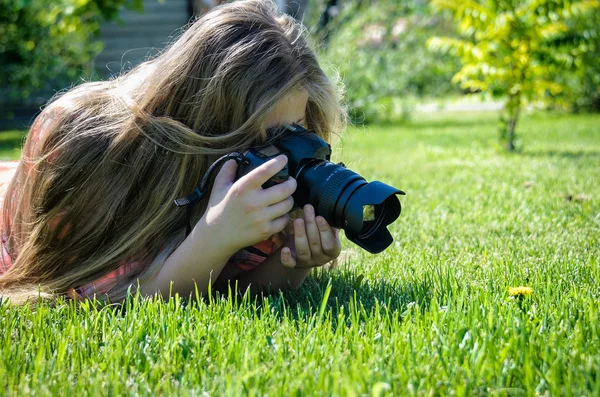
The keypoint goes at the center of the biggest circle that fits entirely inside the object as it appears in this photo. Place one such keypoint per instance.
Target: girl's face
(291, 109)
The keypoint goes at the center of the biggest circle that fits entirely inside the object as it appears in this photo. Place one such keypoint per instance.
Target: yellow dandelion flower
(520, 291)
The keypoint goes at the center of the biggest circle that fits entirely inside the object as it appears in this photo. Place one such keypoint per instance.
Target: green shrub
(43, 41)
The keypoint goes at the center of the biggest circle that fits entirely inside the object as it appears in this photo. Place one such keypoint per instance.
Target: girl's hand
(314, 242)
(241, 213)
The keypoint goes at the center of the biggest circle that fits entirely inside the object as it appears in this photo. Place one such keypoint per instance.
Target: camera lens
(347, 201)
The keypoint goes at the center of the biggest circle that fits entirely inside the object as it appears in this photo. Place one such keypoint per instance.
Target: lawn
(432, 315)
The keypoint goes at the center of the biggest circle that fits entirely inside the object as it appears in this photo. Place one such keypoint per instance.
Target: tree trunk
(510, 133)
(507, 132)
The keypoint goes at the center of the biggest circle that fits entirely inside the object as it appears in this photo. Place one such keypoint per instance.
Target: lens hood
(372, 236)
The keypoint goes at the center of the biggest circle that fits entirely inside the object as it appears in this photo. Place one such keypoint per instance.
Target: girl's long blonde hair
(98, 186)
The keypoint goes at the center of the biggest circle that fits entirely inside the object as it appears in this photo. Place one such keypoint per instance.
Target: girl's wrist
(195, 263)
(211, 235)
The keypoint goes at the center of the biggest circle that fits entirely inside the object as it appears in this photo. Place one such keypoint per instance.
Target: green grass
(10, 144)
(429, 316)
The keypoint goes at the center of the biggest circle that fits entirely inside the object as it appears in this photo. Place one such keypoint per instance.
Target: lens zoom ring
(325, 192)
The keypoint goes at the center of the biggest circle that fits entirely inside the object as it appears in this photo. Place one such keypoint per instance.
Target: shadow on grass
(565, 154)
(327, 293)
(350, 293)
(445, 123)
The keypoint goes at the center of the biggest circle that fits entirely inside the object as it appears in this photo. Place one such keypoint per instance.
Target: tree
(509, 49)
(43, 40)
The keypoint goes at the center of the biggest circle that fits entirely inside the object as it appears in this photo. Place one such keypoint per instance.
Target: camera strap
(200, 190)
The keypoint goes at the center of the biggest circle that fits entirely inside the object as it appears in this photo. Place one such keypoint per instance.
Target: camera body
(338, 194)
(301, 147)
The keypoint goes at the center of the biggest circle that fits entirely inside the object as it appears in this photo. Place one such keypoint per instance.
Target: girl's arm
(196, 262)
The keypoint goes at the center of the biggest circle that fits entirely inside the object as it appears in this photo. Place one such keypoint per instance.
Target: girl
(90, 207)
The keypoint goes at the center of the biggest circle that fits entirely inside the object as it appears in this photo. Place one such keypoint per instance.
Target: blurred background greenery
(394, 56)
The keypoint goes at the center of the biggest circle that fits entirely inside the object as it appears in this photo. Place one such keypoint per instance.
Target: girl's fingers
(258, 176)
(312, 231)
(287, 259)
(302, 247)
(226, 176)
(278, 225)
(281, 208)
(329, 238)
(279, 192)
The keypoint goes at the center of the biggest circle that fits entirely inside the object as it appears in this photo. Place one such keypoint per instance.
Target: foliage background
(378, 48)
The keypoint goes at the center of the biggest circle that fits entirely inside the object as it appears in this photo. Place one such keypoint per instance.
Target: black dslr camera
(344, 198)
